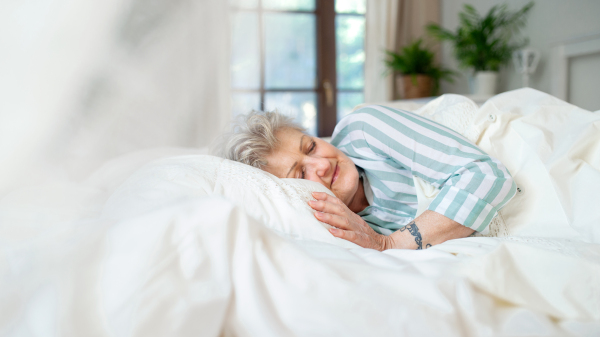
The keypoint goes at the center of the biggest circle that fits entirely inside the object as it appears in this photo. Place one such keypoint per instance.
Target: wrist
(401, 240)
(387, 242)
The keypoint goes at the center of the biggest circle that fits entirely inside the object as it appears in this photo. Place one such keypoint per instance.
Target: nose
(317, 166)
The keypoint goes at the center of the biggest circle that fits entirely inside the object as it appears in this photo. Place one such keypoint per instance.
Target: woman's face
(305, 157)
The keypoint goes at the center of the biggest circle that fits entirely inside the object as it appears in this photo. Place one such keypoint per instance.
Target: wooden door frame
(326, 67)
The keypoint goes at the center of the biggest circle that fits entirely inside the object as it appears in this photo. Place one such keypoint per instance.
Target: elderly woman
(369, 166)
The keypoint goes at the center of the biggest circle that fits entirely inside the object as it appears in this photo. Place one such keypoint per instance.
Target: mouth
(336, 173)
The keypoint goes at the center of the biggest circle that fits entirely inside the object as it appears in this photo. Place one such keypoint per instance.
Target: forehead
(287, 153)
(289, 140)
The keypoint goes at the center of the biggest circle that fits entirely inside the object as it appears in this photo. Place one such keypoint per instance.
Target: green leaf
(416, 59)
(485, 42)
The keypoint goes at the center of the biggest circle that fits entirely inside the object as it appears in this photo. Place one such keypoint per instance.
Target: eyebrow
(301, 139)
(296, 163)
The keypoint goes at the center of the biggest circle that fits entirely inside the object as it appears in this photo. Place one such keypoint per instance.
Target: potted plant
(485, 43)
(418, 76)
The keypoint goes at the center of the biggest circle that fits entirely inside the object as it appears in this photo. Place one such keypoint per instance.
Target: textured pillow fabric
(280, 204)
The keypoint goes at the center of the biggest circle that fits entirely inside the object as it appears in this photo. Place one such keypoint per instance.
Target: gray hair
(252, 137)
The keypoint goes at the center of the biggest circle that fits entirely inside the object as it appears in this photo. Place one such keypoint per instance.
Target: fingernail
(311, 202)
(319, 214)
(333, 230)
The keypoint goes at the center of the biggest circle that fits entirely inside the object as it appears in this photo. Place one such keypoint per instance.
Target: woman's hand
(347, 224)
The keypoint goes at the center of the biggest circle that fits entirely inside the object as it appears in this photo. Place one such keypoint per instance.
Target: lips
(336, 173)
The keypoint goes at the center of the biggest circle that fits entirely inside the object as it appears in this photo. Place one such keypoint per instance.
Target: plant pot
(486, 83)
(409, 88)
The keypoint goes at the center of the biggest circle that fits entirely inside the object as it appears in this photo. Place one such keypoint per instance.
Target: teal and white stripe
(392, 146)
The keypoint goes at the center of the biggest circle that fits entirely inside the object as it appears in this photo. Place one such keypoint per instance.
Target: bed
(195, 245)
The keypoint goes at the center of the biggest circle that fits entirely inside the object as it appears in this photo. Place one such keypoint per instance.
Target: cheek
(327, 150)
(317, 180)
(349, 184)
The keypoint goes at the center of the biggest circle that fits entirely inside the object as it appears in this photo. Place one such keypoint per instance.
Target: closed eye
(312, 147)
(313, 144)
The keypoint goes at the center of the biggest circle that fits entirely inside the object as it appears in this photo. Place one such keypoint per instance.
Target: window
(350, 54)
(302, 57)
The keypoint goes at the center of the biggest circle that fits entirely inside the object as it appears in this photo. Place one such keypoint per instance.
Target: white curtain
(85, 81)
(390, 25)
(380, 36)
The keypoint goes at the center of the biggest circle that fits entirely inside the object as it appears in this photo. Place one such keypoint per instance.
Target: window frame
(325, 89)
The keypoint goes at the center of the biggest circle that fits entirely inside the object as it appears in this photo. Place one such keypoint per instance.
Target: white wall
(549, 22)
(584, 80)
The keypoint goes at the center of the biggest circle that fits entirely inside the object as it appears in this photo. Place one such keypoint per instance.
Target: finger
(333, 220)
(319, 195)
(326, 197)
(346, 235)
(327, 207)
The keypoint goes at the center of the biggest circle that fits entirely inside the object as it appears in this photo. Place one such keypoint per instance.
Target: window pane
(245, 56)
(346, 101)
(243, 103)
(351, 6)
(290, 5)
(302, 106)
(290, 60)
(247, 4)
(350, 37)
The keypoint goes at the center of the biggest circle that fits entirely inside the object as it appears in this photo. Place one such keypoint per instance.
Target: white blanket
(201, 266)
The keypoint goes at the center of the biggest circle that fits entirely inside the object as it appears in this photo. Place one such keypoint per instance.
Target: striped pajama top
(391, 146)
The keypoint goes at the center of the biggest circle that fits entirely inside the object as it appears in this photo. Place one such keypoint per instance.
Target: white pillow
(280, 204)
(550, 205)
